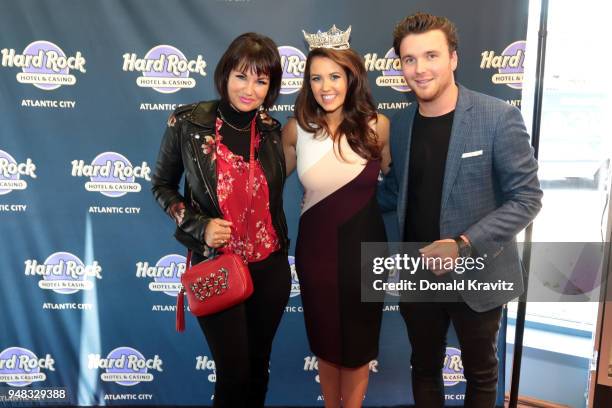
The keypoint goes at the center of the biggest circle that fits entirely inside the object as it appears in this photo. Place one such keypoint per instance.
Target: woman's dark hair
(358, 109)
(251, 52)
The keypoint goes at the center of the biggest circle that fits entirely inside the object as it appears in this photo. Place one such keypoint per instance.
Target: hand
(218, 232)
(440, 256)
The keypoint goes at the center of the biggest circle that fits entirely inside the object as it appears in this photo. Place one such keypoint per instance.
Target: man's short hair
(422, 22)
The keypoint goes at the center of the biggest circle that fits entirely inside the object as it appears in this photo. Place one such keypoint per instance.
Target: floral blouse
(256, 240)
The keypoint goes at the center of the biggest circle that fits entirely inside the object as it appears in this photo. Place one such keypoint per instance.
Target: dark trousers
(240, 338)
(427, 325)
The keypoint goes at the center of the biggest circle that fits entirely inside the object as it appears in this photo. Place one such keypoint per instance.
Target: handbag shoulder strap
(251, 175)
(188, 261)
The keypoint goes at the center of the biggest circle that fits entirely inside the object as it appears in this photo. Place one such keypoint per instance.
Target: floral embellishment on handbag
(212, 285)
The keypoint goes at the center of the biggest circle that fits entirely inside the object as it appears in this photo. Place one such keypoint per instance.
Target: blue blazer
(490, 191)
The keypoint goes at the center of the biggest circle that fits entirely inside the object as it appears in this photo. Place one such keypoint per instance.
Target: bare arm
(382, 131)
(289, 141)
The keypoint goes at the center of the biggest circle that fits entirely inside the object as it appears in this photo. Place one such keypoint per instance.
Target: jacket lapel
(203, 116)
(459, 134)
(404, 149)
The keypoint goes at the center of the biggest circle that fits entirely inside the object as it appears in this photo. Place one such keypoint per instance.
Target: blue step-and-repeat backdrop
(89, 269)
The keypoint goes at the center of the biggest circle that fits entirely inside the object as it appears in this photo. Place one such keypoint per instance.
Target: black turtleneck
(237, 141)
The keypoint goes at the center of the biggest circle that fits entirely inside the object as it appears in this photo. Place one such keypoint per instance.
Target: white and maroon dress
(339, 213)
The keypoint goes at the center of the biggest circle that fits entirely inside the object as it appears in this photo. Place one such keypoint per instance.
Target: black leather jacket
(181, 151)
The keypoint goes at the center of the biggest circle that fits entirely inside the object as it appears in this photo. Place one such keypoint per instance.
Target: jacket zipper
(208, 188)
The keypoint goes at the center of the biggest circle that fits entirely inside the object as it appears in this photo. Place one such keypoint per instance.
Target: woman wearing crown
(339, 144)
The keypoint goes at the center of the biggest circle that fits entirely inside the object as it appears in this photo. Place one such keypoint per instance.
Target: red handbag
(218, 283)
(212, 286)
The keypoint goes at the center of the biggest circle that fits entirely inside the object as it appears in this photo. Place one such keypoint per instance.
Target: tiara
(334, 38)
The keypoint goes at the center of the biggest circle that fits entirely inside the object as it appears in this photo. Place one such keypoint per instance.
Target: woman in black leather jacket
(209, 142)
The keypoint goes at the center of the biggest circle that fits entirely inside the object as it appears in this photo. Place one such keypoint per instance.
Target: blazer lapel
(459, 134)
(406, 125)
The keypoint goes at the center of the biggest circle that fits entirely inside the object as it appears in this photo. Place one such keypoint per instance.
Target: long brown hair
(358, 109)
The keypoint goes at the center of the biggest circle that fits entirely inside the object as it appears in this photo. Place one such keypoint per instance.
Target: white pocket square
(472, 154)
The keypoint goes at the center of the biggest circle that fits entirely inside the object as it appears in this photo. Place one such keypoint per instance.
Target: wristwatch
(463, 246)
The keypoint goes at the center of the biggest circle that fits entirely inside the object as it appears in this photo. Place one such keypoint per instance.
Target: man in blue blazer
(464, 180)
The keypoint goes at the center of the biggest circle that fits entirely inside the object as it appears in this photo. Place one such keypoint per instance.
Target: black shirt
(428, 149)
(237, 141)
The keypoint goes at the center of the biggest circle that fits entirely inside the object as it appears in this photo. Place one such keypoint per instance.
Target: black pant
(427, 325)
(240, 338)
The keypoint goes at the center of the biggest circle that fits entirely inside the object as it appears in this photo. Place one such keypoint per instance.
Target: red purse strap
(251, 176)
(188, 261)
